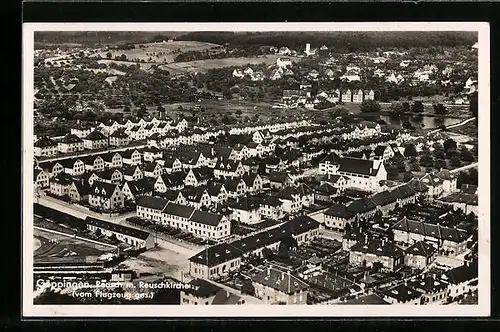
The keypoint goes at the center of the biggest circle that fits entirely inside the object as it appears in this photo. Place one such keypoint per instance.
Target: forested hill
(100, 38)
(345, 41)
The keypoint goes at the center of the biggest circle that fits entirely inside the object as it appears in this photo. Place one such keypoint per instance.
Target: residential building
(274, 286)
(131, 236)
(70, 144)
(377, 251)
(45, 147)
(95, 141)
(203, 292)
(106, 196)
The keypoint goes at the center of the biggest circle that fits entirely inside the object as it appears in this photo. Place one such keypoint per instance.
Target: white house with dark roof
(132, 173)
(449, 241)
(45, 147)
(70, 144)
(134, 189)
(420, 255)
(373, 250)
(402, 294)
(362, 174)
(106, 196)
(41, 178)
(228, 169)
(119, 138)
(95, 140)
(275, 286)
(112, 159)
(93, 163)
(73, 166)
(131, 157)
(60, 184)
(246, 211)
(151, 208)
(52, 168)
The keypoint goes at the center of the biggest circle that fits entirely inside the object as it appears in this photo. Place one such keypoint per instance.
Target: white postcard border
(483, 307)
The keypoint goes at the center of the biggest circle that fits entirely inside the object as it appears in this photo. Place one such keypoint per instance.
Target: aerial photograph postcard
(170, 167)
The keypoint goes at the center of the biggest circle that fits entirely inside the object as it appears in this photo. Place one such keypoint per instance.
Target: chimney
(268, 271)
(308, 47)
(366, 238)
(383, 242)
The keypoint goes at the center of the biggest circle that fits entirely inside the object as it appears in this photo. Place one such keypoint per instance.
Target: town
(264, 175)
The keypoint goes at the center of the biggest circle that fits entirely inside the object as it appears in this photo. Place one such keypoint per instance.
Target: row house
(220, 260)
(131, 157)
(235, 187)
(41, 178)
(132, 173)
(132, 190)
(173, 181)
(45, 147)
(152, 170)
(93, 163)
(198, 176)
(70, 144)
(81, 131)
(228, 169)
(112, 159)
(106, 196)
(170, 164)
(254, 183)
(52, 168)
(112, 176)
(152, 154)
(448, 240)
(73, 166)
(119, 138)
(60, 184)
(246, 211)
(218, 194)
(197, 197)
(366, 253)
(95, 141)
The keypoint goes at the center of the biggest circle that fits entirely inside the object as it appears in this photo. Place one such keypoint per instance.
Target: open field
(65, 248)
(205, 65)
(217, 108)
(168, 50)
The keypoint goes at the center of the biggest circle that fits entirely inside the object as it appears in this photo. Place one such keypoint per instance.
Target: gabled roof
(402, 293)
(62, 179)
(108, 157)
(155, 203)
(463, 273)
(96, 136)
(174, 178)
(70, 139)
(45, 142)
(333, 158)
(327, 189)
(194, 194)
(403, 191)
(151, 167)
(378, 248)
(361, 205)
(280, 281)
(340, 211)
(119, 134)
(421, 248)
(89, 160)
(178, 210)
(102, 189)
(383, 198)
(357, 166)
(206, 218)
(130, 170)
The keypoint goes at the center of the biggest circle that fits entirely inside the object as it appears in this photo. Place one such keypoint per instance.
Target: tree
(438, 154)
(410, 151)
(439, 108)
(466, 155)
(473, 106)
(407, 176)
(267, 253)
(406, 106)
(417, 107)
(396, 108)
(455, 161)
(440, 163)
(449, 144)
(415, 167)
(247, 288)
(109, 55)
(370, 106)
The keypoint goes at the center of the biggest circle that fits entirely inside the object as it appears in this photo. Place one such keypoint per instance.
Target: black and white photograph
(331, 167)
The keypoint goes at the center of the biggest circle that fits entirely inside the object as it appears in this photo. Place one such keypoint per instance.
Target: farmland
(160, 52)
(205, 65)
